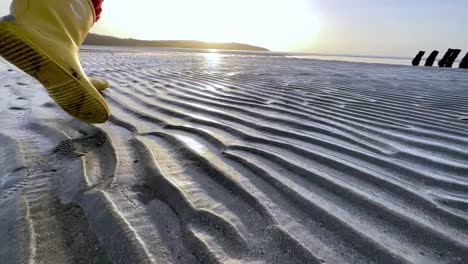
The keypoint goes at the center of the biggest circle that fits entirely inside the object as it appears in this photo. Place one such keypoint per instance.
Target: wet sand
(212, 158)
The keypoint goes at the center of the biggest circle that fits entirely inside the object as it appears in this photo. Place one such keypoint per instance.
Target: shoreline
(380, 60)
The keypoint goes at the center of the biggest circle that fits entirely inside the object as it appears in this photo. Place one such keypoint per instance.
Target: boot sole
(63, 87)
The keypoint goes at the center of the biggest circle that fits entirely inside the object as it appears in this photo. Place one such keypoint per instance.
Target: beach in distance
(238, 157)
(395, 60)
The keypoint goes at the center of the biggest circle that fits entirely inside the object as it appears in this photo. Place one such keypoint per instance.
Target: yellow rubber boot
(42, 38)
(99, 83)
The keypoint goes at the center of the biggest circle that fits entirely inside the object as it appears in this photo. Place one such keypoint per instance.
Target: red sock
(97, 6)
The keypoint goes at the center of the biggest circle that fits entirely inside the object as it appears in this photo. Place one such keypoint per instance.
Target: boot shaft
(63, 20)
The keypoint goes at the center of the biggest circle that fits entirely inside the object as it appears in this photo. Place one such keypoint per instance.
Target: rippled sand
(212, 158)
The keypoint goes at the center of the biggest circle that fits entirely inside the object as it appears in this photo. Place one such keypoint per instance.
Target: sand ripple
(238, 159)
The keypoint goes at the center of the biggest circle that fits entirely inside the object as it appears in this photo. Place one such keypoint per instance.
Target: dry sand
(238, 159)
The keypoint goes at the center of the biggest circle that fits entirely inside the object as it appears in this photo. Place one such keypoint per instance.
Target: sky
(367, 27)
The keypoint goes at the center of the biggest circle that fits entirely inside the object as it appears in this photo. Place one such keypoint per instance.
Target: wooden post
(452, 58)
(418, 58)
(464, 62)
(446, 57)
(430, 60)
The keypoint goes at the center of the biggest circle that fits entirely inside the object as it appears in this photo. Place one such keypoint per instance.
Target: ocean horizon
(360, 58)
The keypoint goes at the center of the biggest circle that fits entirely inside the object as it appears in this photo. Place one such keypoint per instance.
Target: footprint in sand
(81, 145)
(17, 108)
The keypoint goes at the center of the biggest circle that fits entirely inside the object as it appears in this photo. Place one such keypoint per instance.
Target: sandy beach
(224, 158)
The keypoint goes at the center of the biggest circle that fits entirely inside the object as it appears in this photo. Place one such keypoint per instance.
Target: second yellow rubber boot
(42, 38)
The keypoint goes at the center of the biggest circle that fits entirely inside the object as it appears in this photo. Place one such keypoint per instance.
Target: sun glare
(212, 59)
(274, 24)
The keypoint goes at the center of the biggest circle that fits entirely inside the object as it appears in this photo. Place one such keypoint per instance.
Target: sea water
(394, 60)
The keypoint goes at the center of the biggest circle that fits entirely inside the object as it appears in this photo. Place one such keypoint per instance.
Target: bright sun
(274, 24)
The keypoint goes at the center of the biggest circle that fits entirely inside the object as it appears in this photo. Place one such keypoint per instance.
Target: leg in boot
(42, 38)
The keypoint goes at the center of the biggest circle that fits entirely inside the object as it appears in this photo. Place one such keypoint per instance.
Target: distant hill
(94, 39)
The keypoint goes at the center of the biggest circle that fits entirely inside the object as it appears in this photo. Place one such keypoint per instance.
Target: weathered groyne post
(418, 58)
(446, 57)
(452, 58)
(431, 59)
(464, 62)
